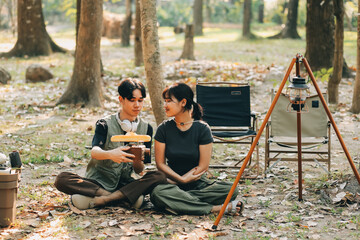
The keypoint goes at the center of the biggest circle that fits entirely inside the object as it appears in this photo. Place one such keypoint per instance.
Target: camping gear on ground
(299, 58)
(9, 184)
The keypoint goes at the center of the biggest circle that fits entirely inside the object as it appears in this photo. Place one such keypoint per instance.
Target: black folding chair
(227, 111)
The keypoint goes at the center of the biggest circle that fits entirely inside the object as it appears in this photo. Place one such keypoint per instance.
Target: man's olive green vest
(109, 174)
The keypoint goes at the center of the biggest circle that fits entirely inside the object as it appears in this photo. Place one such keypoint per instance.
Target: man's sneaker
(138, 202)
(82, 202)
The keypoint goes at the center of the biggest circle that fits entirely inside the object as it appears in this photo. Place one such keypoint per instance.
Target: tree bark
(198, 17)
(85, 85)
(126, 26)
(78, 12)
(247, 20)
(334, 81)
(320, 34)
(152, 59)
(261, 11)
(188, 51)
(33, 39)
(139, 60)
(290, 29)
(355, 108)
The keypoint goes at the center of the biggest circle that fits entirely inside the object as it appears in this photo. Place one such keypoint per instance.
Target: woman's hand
(171, 181)
(191, 176)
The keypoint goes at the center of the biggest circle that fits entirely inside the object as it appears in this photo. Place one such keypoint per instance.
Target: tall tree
(11, 9)
(320, 33)
(188, 51)
(139, 60)
(355, 107)
(198, 17)
(33, 39)
(208, 11)
(290, 29)
(334, 81)
(85, 85)
(152, 59)
(247, 20)
(126, 25)
(77, 24)
(261, 11)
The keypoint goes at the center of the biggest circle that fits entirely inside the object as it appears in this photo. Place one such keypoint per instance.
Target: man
(108, 175)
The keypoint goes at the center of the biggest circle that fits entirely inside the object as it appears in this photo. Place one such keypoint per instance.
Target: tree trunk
(355, 108)
(208, 11)
(198, 17)
(12, 14)
(334, 81)
(78, 12)
(126, 26)
(33, 39)
(139, 60)
(85, 85)
(1, 7)
(290, 29)
(261, 11)
(346, 71)
(320, 33)
(152, 59)
(348, 20)
(247, 20)
(188, 51)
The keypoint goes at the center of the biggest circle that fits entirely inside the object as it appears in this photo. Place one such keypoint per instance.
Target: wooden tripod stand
(296, 60)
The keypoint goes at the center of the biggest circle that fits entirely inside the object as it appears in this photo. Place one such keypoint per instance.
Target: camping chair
(281, 134)
(227, 111)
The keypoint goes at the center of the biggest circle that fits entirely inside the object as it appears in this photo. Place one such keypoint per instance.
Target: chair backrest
(227, 106)
(313, 123)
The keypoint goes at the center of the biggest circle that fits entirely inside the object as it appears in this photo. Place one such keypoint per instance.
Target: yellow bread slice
(130, 137)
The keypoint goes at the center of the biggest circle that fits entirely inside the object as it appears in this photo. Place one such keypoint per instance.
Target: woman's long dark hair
(182, 91)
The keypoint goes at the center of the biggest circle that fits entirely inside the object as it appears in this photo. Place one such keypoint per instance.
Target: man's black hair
(128, 85)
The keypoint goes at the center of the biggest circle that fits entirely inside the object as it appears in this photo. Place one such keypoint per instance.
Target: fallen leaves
(190, 71)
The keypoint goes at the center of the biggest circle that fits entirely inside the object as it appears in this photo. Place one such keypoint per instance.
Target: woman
(108, 174)
(186, 143)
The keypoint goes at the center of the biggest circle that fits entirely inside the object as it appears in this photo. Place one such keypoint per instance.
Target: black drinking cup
(15, 160)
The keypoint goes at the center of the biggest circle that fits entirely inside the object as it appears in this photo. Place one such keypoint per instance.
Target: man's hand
(118, 155)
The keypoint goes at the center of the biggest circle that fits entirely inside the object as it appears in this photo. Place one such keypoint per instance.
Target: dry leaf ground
(54, 139)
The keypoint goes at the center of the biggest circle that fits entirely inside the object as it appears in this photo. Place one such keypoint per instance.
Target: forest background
(53, 138)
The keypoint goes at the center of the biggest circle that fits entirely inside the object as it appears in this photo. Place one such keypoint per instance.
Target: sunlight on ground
(51, 230)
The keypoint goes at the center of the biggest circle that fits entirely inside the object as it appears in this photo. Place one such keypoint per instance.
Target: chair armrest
(254, 114)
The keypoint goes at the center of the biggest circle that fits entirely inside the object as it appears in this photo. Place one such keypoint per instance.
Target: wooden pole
(298, 122)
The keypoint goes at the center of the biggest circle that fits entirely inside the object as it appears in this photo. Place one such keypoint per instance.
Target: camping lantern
(297, 92)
